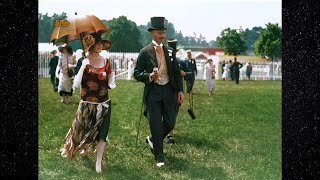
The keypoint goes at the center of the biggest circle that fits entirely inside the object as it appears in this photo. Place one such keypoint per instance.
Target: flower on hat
(88, 41)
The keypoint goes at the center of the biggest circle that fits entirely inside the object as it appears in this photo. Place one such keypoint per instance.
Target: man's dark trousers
(161, 102)
(190, 82)
(236, 76)
(54, 81)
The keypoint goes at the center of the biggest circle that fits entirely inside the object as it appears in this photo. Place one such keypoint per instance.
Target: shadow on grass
(174, 163)
(198, 142)
(192, 169)
(89, 162)
(200, 171)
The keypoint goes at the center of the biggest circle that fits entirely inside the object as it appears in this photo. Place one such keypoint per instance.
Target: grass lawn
(236, 135)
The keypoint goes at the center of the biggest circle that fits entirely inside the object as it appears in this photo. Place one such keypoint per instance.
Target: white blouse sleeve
(112, 80)
(78, 78)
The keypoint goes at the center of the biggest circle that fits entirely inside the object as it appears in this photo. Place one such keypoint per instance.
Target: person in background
(222, 68)
(231, 74)
(184, 70)
(193, 67)
(225, 74)
(52, 70)
(249, 70)
(160, 73)
(66, 61)
(210, 76)
(236, 66)
(80, 55)
(131, 66)
(60, 49)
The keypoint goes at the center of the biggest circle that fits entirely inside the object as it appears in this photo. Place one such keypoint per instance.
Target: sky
(206, 17)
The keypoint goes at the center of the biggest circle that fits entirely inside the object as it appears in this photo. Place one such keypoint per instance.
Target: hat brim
(152, 28)
(105, 44)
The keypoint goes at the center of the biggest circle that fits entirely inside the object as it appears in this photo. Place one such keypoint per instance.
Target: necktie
(159, 50)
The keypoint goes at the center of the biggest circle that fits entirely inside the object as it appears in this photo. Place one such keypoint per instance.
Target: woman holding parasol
(92, 120)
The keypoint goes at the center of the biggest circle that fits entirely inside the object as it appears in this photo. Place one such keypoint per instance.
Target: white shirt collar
(155, 43)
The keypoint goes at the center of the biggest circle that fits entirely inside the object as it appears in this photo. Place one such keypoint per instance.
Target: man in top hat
(160, 73)
(193, 67)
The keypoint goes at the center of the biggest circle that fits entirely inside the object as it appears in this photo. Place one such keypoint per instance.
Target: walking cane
(138, 128)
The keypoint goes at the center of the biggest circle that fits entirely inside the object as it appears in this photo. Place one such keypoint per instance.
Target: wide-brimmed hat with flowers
(93, 38)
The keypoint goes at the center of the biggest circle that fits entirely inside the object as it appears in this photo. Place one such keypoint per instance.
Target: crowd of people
(164, 75)
(231, 70)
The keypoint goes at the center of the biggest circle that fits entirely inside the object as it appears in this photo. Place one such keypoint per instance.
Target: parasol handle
(81, 36)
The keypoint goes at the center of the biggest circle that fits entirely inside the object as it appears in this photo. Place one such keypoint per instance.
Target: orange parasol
(71, 29)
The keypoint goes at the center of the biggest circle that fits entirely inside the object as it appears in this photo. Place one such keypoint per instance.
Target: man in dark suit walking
(236, 69)
(184, 70)
(193, 67)
(160, 73)
(52, 71)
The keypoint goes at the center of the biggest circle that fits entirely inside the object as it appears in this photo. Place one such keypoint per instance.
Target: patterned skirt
(90, 124)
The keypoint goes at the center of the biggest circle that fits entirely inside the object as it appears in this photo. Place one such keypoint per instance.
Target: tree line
(127, 36)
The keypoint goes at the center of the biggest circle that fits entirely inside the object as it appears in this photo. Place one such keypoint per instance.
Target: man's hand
(180, 97)
(154, 76)
(183, 74)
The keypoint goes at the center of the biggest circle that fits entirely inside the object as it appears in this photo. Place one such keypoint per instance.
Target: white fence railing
(119, 64)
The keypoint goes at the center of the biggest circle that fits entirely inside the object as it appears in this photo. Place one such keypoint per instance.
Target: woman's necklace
(94, 57)
(94, 63)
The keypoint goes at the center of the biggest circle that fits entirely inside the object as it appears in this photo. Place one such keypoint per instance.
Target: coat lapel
(152, 53)
(168, 60)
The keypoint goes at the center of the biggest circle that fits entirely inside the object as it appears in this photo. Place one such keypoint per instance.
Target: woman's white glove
(112, 81)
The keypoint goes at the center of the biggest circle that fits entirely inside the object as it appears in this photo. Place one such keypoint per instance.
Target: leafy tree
(46, 25)
(170, 32)
(145, 37)
(124, 35)
(181, 40)
(269, 42)
(232, 42)
(187, 39)
(251, 37)
(45, 28)
(202, 41)
(213, 44)
(192, 41)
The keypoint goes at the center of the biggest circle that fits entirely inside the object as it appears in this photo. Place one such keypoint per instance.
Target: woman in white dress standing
(210, 76)
(225, 72)
(130, 69)
(66, 61)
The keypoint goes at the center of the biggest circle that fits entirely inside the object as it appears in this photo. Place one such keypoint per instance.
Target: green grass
(236, 135)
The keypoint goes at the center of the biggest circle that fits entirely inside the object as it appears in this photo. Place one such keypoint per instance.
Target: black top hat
(157, 23)
(173, 44)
